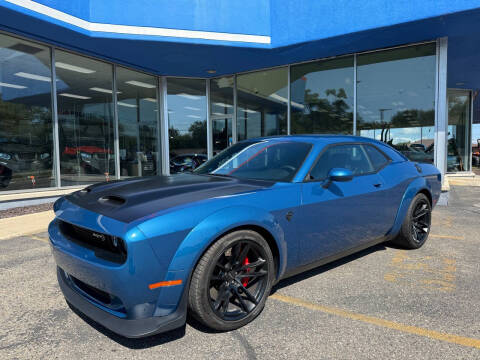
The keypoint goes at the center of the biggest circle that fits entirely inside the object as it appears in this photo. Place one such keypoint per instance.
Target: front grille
(105, 246)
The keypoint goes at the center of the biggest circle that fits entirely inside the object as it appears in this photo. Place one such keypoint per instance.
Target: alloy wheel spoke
(420, 214)
(421, 230)
(248, 294)
(222, 267)
(226, 302)
(243, 254)
(223, 299)
(243, 305)
(235, 254)
(253, 265)
(253, 274)
(415, 233)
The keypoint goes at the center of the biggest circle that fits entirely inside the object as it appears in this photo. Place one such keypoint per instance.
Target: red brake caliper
(245, 280)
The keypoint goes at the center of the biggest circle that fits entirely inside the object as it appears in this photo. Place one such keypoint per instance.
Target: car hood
(133, 199)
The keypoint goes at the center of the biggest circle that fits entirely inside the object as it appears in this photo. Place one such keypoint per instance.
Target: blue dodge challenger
(136, 255)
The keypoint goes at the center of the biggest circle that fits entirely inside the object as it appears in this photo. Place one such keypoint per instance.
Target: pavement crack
(250, 351)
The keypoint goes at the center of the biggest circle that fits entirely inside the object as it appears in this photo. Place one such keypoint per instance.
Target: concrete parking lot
(382, 303)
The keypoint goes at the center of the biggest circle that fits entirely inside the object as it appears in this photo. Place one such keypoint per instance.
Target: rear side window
(352, 157)
(377, 159)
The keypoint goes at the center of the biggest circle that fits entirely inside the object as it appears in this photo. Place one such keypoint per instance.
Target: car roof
(318, 138)
(326, 139)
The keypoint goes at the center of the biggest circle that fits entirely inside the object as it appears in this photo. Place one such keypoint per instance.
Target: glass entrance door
(222, 134)
(459, 125)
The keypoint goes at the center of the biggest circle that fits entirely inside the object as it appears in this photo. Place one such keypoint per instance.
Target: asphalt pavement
(383, 303)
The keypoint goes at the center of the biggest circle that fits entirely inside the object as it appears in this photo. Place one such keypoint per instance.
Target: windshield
(260, 160)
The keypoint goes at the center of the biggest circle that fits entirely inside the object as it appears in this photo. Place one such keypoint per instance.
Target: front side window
(351, 157)
(261, 160)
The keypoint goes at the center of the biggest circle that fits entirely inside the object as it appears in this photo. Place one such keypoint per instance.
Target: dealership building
(94, 90)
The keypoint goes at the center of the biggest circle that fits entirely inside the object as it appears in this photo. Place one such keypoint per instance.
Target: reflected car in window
(137, 255)
(24, 158)
(88, 159)
(186, 162)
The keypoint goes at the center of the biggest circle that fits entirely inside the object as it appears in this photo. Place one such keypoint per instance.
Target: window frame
(307, 178)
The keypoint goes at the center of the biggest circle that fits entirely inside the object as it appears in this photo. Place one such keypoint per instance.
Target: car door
(337, 216)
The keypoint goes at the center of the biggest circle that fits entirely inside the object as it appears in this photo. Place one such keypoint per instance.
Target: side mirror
(339, 175)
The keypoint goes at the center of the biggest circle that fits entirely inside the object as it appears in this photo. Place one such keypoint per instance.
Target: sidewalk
(25, 224)
(464, 181)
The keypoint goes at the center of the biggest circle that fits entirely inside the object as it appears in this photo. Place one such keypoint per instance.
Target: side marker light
(164, 283)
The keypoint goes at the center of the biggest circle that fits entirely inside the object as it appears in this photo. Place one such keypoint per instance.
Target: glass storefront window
(458, 143)
(476, 148)
(221, 96)
(396, 99)
(26, 137)
(187, 123)
(137, 123)
(221, 112)
(322, 97)
(85, 119)
(262, 99)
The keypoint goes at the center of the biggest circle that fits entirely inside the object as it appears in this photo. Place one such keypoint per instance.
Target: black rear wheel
(416, 226)
(232, 281)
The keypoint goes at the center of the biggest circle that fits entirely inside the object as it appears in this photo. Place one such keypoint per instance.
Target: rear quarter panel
(406, 180)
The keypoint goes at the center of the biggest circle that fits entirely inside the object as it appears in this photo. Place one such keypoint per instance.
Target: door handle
(377, 185)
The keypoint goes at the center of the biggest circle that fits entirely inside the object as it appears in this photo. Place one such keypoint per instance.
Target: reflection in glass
(476, 148)
(262, 103)
(85, 119)
(221, 112)
(26, 145)
(396, 99)
(222, 134)
(221, 96)
(322, 97)
(137, 123)
(258, 159)
(187, 122)
(458, 131)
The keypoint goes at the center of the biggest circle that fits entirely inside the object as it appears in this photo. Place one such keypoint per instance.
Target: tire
(416, 225)
(219, 296)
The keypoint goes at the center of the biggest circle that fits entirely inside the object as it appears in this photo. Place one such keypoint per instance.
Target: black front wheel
(417, 223)
(232, 281)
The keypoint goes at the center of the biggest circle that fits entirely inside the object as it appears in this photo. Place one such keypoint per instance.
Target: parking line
(454, 339)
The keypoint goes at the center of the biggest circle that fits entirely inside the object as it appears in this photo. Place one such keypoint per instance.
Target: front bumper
(131, 328)
(116, 295)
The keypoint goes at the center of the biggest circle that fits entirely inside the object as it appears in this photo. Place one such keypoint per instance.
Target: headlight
(85, 155)
(44, 156)
(5, 156)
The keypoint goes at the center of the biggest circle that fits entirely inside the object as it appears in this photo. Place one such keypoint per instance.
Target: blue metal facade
(277, 32)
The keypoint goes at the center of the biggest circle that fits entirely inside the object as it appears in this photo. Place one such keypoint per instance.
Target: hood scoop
(112, 200)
